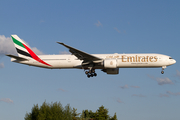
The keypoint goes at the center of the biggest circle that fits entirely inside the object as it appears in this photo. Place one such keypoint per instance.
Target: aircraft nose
(174, 61)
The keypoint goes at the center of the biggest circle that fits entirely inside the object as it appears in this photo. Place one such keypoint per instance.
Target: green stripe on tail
(18, 43)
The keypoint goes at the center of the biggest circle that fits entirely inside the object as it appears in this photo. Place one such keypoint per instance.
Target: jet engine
(110, 63)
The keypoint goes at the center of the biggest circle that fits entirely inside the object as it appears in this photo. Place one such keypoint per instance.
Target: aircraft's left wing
(81, 55)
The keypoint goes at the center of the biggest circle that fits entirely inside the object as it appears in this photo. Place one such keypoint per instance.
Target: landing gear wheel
(162, 72)
(90, 73)
(86, 72)
(88, 76)
(95, 74)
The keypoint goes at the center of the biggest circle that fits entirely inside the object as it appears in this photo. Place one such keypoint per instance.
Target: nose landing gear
(163, 67)
(90, 73)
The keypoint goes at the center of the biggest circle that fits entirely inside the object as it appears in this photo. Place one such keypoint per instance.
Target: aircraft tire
(95, 74)
(86, 72)
(88, 76)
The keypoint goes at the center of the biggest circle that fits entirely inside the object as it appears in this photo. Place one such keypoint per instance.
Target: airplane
(108, 63)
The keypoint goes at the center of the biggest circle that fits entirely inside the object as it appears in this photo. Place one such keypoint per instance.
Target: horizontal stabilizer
(17, 58)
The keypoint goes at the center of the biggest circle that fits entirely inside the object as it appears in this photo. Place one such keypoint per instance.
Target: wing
(82, 55)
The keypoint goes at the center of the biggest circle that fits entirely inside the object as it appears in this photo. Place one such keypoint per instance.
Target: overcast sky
(100, 27)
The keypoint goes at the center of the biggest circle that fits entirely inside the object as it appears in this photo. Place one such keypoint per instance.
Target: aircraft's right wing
(82, 55)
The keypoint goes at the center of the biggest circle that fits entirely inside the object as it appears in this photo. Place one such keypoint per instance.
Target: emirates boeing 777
(108, 63)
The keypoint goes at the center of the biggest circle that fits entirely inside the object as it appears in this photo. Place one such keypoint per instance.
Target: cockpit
(172, 61)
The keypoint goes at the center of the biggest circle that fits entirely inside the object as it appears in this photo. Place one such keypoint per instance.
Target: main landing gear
(90, 73)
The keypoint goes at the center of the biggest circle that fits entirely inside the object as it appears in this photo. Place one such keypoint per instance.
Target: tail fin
(24, 50)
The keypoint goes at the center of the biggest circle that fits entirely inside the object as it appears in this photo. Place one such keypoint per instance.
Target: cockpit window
(170, 58)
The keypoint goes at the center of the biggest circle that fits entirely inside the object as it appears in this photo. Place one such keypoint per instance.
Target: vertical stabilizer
(24, 51)
(21, 47)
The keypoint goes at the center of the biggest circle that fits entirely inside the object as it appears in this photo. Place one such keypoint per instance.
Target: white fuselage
(110, 61)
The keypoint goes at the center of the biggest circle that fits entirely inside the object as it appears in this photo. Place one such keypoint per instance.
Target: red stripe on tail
(34, 56)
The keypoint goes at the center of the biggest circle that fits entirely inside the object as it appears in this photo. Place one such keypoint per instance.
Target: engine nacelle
(110, 63)
(111, 71)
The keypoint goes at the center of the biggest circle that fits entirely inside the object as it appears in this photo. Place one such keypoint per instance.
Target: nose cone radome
(174, 61)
